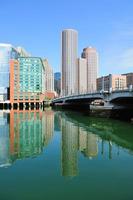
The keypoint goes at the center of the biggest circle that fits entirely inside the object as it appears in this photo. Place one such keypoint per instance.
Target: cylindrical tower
(69, 62)
(91, 55)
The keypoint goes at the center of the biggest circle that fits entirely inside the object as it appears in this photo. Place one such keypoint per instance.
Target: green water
(64, 155)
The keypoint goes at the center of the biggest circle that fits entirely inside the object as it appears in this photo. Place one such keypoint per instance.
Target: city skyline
(103, 25)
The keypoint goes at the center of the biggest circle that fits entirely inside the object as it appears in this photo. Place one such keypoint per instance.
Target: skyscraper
(92, 67)
(7, 52)
(57, 82)
(82, 75)
(49, 76)
(69, 62)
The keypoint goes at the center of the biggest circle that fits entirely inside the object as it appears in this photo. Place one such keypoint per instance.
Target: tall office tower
(49, 76)
(57, 82)
(82, 75)
(92, 67)
(7, 52)
(69, 62)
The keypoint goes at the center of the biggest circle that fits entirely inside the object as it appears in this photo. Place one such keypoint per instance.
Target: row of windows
(26, 98)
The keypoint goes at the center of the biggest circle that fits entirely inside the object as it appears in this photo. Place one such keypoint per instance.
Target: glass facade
(7, 52)
(29, 81)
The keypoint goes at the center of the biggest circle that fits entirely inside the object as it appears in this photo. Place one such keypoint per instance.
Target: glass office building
(27, 80)
(7, 52)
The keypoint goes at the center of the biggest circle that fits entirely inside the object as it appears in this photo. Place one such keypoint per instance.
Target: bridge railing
(114, 90)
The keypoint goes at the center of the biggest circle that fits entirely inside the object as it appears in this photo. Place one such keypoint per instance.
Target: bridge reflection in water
(25, 134)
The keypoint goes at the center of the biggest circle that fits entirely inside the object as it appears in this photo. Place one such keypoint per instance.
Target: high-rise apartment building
(69, 83)
(92, 67)
(82, 75)
(7, 52)
(27, 80)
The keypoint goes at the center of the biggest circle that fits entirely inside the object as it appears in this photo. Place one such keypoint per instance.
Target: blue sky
(36, 25)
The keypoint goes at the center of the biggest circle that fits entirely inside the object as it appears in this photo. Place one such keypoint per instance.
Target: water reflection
(4, 140)
(88, 135)
(69, 148)
(25, 134)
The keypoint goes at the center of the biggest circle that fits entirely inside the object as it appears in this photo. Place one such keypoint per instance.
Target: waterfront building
(49, 76)
(57, 82)
(129, 79)
(49, 80)
(27, 80)
(82, 75)
(69, 82)
(91, 55)
(111, 82)
(7, 52)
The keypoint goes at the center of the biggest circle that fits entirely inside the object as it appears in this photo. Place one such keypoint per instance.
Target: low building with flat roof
(111, 82)
(129, 79)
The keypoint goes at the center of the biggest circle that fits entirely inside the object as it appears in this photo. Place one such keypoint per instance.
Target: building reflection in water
(4, 140)
(26, 138)
(74, 139)
(26, 134)
(69, 148)
(48, 126)
(79, 137)
(88, 143)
